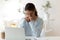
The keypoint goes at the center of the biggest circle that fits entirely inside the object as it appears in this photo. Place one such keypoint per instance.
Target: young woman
(32, 24)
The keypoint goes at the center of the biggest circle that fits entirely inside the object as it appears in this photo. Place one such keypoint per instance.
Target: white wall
(55, 18)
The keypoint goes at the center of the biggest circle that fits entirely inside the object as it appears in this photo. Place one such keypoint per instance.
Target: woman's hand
(28, 19)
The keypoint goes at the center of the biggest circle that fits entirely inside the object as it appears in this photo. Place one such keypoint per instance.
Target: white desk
(45, 38)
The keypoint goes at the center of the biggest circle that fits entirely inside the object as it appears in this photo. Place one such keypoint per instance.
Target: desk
(45, 38)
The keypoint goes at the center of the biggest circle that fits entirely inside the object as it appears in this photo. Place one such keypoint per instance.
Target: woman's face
(29, 13)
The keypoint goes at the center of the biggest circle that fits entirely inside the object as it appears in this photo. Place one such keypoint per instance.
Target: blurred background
(11, 11)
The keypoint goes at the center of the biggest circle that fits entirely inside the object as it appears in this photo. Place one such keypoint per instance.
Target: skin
(30, 15)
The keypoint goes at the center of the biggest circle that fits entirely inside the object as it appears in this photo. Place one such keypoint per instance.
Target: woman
(32, 24)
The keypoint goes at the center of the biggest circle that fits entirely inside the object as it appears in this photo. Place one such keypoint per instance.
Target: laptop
(14, 33)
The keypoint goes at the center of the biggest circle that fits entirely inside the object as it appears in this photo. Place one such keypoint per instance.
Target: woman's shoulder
(40, 19)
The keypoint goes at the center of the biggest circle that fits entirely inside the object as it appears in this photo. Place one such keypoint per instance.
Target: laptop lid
(14, 33)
